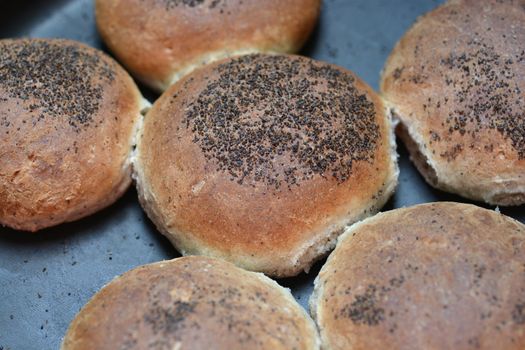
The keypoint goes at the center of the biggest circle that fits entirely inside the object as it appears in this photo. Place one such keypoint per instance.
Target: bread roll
(434, 276)
(456, 81)
(263, 160)
(161, 40)
(68, 115)
(191, 303)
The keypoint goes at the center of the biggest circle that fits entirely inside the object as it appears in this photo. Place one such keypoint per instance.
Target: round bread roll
(433, 276)
(68, 116)
(263, 160)
(192, 303)
(159, 41)
(456, 81)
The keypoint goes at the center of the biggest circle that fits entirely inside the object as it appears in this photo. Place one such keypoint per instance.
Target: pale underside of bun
(456, 82)
(160, 41)
(192, 303)
(434, 276)
(68, 118)
(276, 217)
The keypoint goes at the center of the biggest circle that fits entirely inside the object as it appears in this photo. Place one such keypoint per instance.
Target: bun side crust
(433, 276)
(192, 303)
(252, 212)
(160, 42)
(456, 81)
(67, 119)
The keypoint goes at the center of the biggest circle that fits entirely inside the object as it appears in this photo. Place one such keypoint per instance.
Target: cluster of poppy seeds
(518, 314)
(54, 79)
(365, 309)
(169, 320)
(487, 94)
(279, 119)
(171, 4)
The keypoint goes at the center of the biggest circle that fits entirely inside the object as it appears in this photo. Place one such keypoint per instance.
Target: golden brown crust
(457, 82)
(67, 120)
(263, 160)
(159, 40)
(191, 303)
(433, 276)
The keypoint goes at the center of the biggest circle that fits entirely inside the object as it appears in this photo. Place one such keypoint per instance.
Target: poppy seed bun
(263, 160)
(434, 276)
(161, 40)
(456, 81)
(192, 303)
(68, 116)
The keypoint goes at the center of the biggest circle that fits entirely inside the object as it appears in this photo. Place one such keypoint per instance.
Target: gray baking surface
(45, 278)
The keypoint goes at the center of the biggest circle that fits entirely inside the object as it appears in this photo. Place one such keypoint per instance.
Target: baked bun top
(67, 117)
(191, 303)
(161, 40)
(262, 160)
(433, 276)
(457, 82)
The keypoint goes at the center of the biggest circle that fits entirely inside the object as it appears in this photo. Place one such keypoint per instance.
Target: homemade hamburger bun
(263, 160)
(456, 81)
(192, 303)
(159, 41)
(433, 276)
(68, 115)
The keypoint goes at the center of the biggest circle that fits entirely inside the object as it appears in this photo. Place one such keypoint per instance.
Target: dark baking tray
(45, 278)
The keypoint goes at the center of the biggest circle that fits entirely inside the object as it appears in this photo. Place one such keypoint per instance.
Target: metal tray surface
(45, 278)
